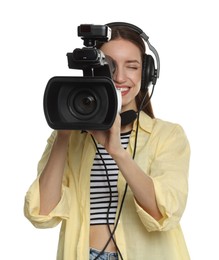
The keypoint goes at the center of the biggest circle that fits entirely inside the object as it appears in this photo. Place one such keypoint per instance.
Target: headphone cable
(108, 210)
(112, 232)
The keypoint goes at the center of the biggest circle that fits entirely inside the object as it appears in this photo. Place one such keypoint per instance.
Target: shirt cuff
(148, 221)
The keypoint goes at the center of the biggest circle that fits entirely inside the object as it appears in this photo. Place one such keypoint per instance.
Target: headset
(150, 73)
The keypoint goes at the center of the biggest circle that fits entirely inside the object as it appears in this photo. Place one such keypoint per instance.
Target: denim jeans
(104, 256)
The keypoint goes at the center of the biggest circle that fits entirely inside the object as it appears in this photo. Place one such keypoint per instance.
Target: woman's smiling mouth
(124, 90)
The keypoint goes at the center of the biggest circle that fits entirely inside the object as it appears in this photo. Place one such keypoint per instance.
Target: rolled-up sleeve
(32, 198)
(169, 172)
(32, 207)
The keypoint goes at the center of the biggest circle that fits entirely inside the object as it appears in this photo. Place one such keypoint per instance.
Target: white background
(34, 39)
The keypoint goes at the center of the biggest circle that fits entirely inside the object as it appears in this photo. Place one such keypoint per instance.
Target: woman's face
(128, 69)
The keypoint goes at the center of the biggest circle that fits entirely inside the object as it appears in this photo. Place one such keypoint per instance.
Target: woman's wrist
(119, 153)
(63, 135)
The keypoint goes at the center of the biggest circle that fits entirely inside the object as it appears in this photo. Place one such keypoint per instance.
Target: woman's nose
(119, 75)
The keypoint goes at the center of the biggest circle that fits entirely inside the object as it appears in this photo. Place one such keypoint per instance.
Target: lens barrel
(85, 103)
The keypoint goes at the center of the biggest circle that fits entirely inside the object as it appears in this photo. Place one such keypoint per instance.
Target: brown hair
(129, 34)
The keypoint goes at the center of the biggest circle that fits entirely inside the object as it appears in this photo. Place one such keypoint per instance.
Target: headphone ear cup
(148, 72)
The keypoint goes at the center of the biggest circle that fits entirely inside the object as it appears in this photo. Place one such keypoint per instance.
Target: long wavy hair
(126, 33)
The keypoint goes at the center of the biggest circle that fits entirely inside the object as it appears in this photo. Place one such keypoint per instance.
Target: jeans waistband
(104, 256)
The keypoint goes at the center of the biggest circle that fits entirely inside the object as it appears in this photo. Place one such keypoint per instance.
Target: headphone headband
(132, 26)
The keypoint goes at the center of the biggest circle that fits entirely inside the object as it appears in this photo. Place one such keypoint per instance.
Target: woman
(119, 193)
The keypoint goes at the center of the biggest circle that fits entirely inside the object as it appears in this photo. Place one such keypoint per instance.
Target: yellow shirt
(163, 153)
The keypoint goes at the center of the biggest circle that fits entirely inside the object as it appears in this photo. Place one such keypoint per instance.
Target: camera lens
(83, 103)
(87, 104)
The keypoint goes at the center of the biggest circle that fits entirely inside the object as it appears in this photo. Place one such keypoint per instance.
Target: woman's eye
(133, 67)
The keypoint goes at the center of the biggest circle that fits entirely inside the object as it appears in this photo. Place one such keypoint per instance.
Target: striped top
(103, 185)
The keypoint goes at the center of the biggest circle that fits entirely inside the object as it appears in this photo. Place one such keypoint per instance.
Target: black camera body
(90, 102)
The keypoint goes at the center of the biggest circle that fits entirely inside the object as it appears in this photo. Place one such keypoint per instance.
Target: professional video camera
(90, 102)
